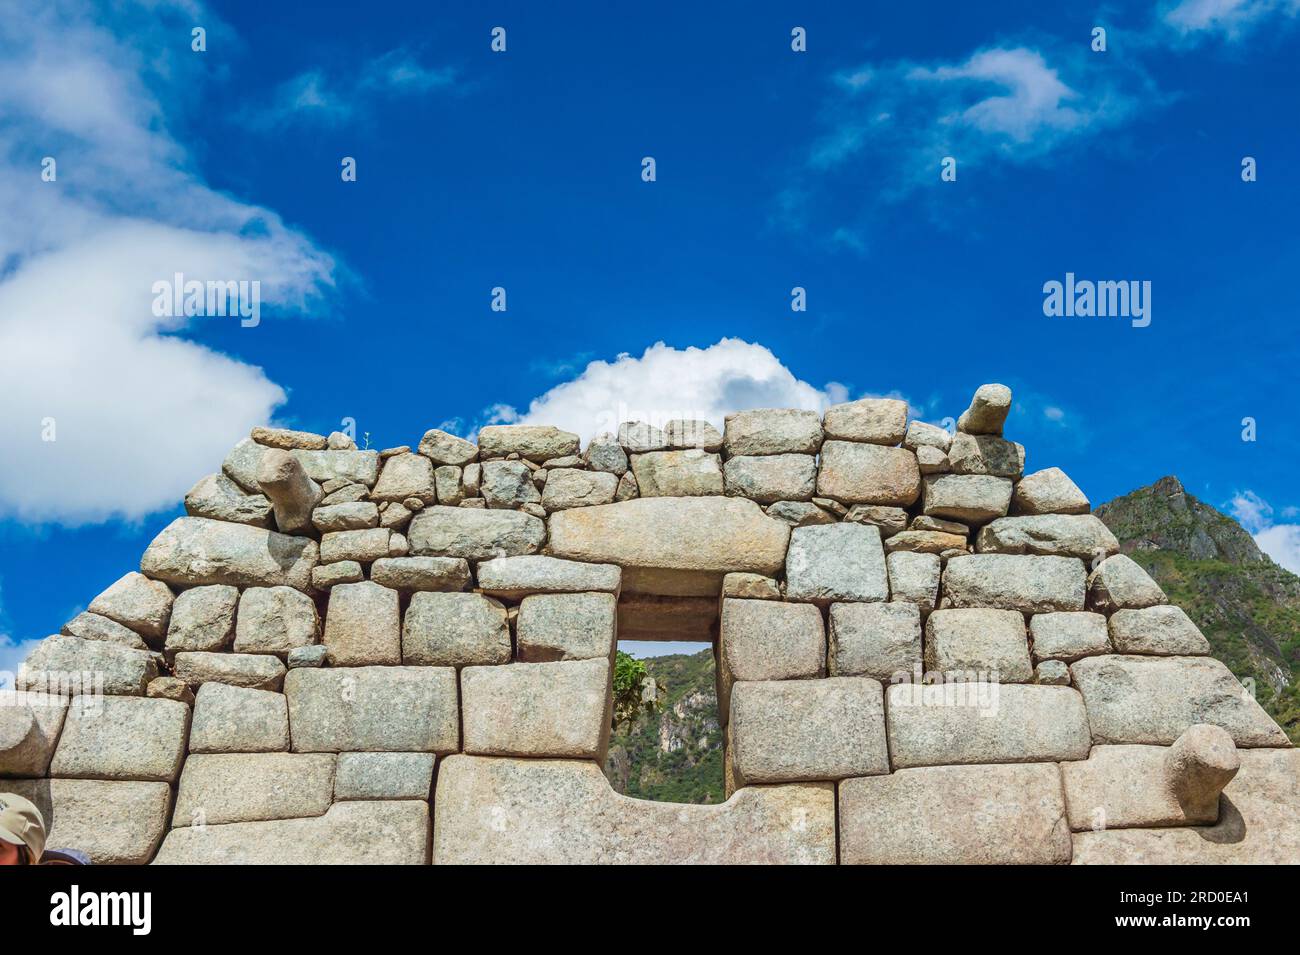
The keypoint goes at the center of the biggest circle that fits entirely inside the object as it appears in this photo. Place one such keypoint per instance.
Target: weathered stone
(347, 492)
(241, 464)
(447, 485)
(350, 833)
(203, 618)
(403, 476)
(875, 420)
(292, 493)
(983, 722)
(925, 542)
(287, 440)
(767, 640)
(987, 411)
(1199, 764)
(339, 441)
(359, 467)
(1014, 582)
(770, 478)
(681, 546)
(799, 513)
(384, 776)
(29, 730)
(838, 510)
(914, 578)
(363, 625)
(566, 627)
(1068, 636)
(981, 641)
(139, 603)
(1052, 673)
(349, 516)
(919, 435)
(879, 640)
(931, 460)
(639, 437)
(91, 626)
(1138, 699)
(476, 534)
(517, 577)
(236, 719)
(115, 823)
(313, 656)
(627, 488)
(804, 730)
(409, 574)
(532, 442)
(571, 487)
(681, 433)
(750, 587)
(955, 815)
(1048, 491)
(549, 811)
(1063, 535)
(986, 454)
(325, 576)
(250, 787)
(255, 670)
(394, 516)
(772, 431)
(890, 520)
(969, 498)
(606, 454)
(195, 550)
(382, 709)
(538, 709)
(923, 522)
(1119, 583)
(856, 473)
(170, 688)
(120, 737)
(218, 497)
(455, 630)
(275, 620)
(836, 562)
(689, 473)
(363, 546)
(443, 448)
(1165, 630)
(124, 671)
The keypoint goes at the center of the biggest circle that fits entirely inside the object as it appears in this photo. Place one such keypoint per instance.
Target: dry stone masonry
(924, 655)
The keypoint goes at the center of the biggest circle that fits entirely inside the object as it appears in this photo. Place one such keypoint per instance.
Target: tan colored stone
(856, 473)
(221, 788)
(874, 420)
(557, 710)
(115, 823)
(379, 709)
(767, 640)
(980, 640)
(194, 550)
(363, 625)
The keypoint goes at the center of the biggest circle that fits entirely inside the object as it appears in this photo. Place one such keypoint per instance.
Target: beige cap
(21, 824)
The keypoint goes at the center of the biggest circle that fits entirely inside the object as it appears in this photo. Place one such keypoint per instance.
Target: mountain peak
(1163, 516)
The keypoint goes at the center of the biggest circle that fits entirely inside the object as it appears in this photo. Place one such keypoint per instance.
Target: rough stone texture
(890, 520)
(275, 620)
(517, 577)
(606, 454)
(1166, 631)
(287, 440)
(350, 833)
(772, 431)
(118, 737)
(806, 730)
(769, 478)
(448, 484)
(986, 454)
(767, 640)
(1068, 636)
(122, 670)
(115, 823)
(836, 562)
(640, 437)
(548, 811)
(681, 546)
(195, 550)
(925, 542)
(1064, 535)
(292, 493)
(139, 603)
(409, 574)
(922, 435)
(572, 487)
(538, 709)
(955, 815)
(326, 576)
(91, 626)
(1136, 699)
(363, 626)
(750, 587)
(799, 513)
(250, 787)
(1119, 583)
(566, 627)
(1199, 764)
(455, 630)
(443, 448)
(255, 670)
(531, 442)
(236, 719)
(508, 484)
(203, 618)
(874, 420)
(241, 464)
(914, 577)
(966, 723)
(360, 467)
(29, 730)
(969, 498)
(381, 709)
(384, 776)
(405, 476)
(363, 546)
(683, 433)
(878, 640)
(1048, 491)
(218, 497)
(931, 460)
(987, 412)
(988, 642)
(856, 473)
(690, 473)
(348, 516)
(313, 656)
(475, 534)
(1014, 582)
(1052, 673)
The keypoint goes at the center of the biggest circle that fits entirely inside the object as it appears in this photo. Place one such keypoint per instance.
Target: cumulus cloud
(1279, 541)
(1229, 18)
(136, 411)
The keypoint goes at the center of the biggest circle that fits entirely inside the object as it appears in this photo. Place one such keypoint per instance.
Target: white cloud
(139, 412)
(667, 383)
(1231, 18)
(1279, 541)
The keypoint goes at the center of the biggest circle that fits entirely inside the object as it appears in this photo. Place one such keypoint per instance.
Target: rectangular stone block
(969, 498)
(359, 467)
(236, 719)
(538, 709)
(767, 640)
(249, 787)
(384, 776)
(30, 724)
(475, 533)
(836, 562)
(1064, 535)
(964, 723)
(195, 550)
(914, 577)
(260, 671)
(955, 815)
(363, 546)
(1068, 636)
(878, 640)
(363, 625)
(1162, 631)
(455, 630)
(991, 643)
(805, 730)
(71, 665)
(121, 737)
(1123, 787)
(1014, 582)
(380, 709)
(855, 473)
(555, 627)
(115, 823)
(514, 578)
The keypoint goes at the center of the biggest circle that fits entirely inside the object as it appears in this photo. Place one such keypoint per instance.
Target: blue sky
(522, 170)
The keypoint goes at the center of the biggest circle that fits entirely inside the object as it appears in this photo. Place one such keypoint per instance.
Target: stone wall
(924, 654)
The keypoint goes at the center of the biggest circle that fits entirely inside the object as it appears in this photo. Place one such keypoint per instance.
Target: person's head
(22, 831)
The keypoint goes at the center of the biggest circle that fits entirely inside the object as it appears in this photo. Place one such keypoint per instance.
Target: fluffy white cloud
(1279, 541)
(138, 412)
(667, 383)
(1231, 18)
